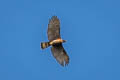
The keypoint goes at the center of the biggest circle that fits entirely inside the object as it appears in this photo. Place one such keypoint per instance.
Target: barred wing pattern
(57, 49)
(60, 54)
(53, 28)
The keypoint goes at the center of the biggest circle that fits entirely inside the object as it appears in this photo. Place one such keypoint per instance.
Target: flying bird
(55, 41)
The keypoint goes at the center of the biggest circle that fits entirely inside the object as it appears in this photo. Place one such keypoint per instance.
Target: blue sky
(91, 28)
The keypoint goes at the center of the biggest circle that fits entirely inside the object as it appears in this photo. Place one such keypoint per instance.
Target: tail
(45, 45)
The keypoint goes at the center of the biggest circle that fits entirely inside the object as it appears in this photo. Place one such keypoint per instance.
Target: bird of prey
(55, 42)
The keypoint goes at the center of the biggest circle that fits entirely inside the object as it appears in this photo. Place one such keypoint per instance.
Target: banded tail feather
(45, 45)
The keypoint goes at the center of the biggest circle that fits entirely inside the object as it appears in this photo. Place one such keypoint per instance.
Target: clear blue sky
(91, 28)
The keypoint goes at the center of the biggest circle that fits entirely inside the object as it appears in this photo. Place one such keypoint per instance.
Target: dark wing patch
(53, 28)
(60, 54)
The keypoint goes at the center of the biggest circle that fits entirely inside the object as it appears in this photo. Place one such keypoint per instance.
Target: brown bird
(56, 42)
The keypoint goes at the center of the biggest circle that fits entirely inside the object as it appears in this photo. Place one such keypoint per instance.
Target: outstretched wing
(53, 28)
(60, 54)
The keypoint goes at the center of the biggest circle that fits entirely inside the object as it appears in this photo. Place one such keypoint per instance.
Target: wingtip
(64, 64)
(54, 20)
(54, 17)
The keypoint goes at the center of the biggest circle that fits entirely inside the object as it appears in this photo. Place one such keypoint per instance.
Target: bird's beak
(64, 40)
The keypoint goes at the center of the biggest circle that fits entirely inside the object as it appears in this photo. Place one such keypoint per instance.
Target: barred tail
(45, 45)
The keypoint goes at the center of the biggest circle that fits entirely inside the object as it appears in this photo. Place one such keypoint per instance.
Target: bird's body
(55, 41)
